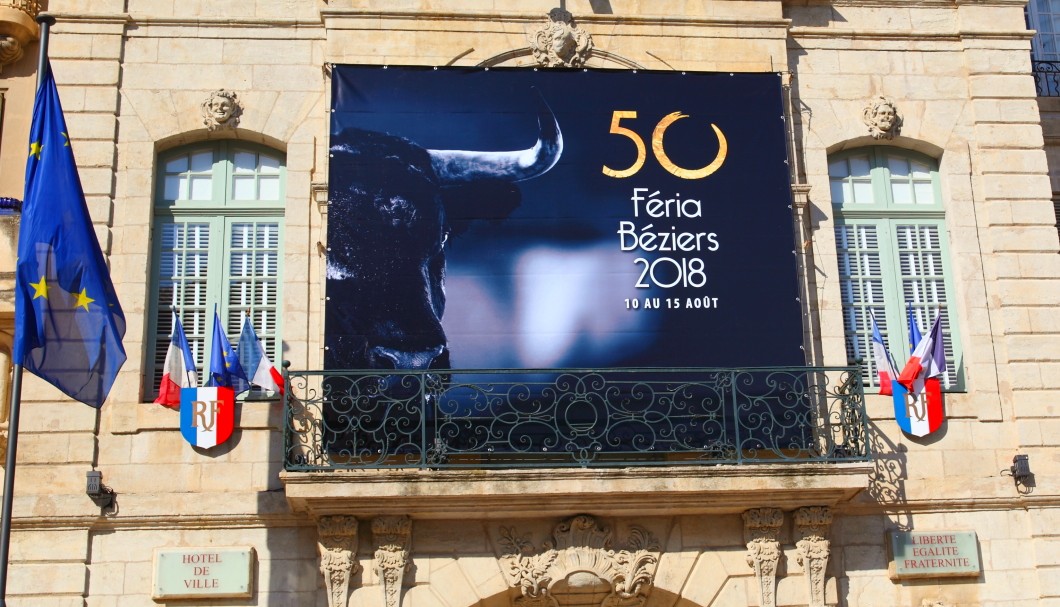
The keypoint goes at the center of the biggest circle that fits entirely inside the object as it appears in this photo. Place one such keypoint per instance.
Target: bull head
(394, 205)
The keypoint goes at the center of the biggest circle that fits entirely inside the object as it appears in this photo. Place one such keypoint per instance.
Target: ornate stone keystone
(559, 42)
(762, 528)
(338, 550)
(811, 524)
(221, 110)
(881, 116)
(393, 537)
(581, 546)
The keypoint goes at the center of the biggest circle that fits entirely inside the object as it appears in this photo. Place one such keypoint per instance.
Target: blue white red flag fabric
(259, 369)
(225, 370)
(68, 322)
(914, 328)
(207, 415)
(884, 368)
(178, 371)
(919, 409)
(928, 358)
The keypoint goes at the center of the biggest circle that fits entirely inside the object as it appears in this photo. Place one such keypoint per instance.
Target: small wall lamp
(101, 494)
(1021, 471)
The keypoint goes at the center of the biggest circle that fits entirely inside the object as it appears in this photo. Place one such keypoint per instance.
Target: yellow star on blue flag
(68, 322)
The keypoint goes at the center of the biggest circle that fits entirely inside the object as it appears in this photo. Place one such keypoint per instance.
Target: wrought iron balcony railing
(554, 418)
(1046, 77)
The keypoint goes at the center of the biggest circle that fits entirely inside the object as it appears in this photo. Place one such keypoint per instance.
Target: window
(892, 250)
(1043, 16)
(218, 230)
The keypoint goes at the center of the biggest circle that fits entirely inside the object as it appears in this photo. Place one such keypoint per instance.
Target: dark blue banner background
(547, 284)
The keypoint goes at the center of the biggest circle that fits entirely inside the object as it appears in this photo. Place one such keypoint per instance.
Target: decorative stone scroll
(559, 42)
(581, 545)
(221, 110)
(881, 116)
(338, 549)
(10, 50)
(393, 538)
(811, 525)
(762, 528)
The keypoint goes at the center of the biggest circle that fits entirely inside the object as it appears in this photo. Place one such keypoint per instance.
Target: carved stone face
(221, 108)
(885, 117)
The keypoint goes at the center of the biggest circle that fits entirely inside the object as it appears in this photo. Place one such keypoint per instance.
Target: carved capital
(580, 545)
(338, 549)
(800, 195)
(393, 537)
(813, 549)
(762, 528)
(559, 42)
(882, 118)
(221, 110)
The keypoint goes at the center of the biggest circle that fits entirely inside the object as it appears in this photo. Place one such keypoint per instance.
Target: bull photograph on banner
(517, 219)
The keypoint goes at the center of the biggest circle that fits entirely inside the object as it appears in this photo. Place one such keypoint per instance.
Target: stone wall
(132, 76)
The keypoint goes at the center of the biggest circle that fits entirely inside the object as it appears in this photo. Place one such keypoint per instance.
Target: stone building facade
(943, 83)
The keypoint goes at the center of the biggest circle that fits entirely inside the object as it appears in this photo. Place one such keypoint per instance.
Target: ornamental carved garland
(337, 544)
(813, 549)
(580, 544)
(392, 536)
(762, 526)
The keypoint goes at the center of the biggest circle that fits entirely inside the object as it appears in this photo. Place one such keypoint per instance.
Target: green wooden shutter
(253, 280)
(919, 250)
(183, 256)
(861, 284)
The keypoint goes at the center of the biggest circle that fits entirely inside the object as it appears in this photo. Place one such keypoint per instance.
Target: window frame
(221, 213)
(887, 216)
(1036, 18)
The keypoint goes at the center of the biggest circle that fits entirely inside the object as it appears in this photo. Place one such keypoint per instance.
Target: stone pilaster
(393, 539)
(762, 528)
(811, 526)
(338, 549)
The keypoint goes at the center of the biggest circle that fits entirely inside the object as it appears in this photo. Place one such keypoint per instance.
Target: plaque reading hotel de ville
(185, 573)
(932, 554)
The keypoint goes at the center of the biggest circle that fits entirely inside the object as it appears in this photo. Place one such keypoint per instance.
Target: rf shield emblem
(207, 415)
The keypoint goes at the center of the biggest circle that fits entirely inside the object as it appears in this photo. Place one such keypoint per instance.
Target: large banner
(516, 218)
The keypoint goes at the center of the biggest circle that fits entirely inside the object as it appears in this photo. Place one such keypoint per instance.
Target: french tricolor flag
(178, 371)
(921, 413)
(928, 359)
(259, 369)
(883, 360)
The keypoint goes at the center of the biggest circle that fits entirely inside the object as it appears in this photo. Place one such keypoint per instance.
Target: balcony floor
(526, 493)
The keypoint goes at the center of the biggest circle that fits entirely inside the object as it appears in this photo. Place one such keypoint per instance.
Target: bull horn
(459, 166)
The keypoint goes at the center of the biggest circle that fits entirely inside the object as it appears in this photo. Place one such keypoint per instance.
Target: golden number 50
(659, 150)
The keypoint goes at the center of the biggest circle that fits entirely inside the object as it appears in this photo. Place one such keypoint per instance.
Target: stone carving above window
(559, 43)
(221, 110)
(881, 116)
(581, 559)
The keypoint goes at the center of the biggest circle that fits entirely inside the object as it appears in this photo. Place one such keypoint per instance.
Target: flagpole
(46, 21)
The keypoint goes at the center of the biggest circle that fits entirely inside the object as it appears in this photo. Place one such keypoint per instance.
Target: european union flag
(68, 322)
(225, 370)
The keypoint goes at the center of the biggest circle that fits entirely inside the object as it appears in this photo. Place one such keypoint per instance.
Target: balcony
(1046, 77)
(359, 442)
